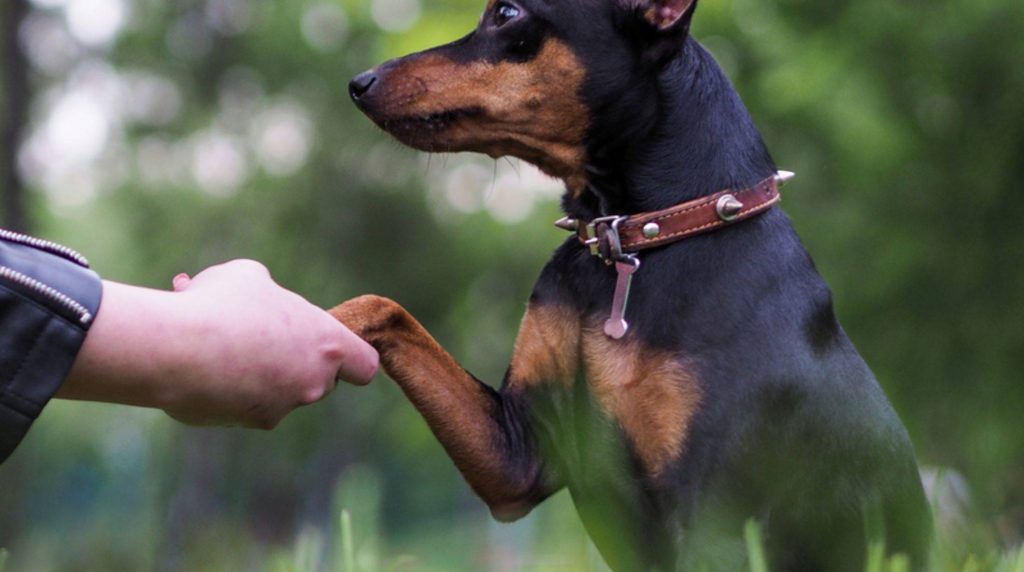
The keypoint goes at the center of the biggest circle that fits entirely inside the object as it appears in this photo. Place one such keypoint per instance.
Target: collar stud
(652, 230)
(728, 208)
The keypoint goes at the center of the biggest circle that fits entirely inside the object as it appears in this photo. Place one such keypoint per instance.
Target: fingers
(294, 352)
(359, 361)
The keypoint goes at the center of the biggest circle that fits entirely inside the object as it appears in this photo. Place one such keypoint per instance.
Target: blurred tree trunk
(14, 96)
(14, 115)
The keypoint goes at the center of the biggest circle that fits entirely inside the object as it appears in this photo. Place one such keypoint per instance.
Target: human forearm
(229, 347)
(135, 351)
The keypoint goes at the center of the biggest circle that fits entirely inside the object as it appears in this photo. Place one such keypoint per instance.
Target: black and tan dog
(734, 393)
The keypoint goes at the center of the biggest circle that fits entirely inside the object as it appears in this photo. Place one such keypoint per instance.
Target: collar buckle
(602, 236)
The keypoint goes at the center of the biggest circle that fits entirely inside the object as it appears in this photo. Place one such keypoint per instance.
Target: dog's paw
(369, 316)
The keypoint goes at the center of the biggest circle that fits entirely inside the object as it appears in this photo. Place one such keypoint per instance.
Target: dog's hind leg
(485, 432)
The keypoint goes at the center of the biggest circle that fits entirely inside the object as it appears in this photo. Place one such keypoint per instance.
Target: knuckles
(248, 265)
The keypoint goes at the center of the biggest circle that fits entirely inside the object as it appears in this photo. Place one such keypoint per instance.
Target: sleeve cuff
(39, 341)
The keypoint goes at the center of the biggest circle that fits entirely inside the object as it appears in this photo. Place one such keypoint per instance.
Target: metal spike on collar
(567, 223)
(728, 208)
(783, 177)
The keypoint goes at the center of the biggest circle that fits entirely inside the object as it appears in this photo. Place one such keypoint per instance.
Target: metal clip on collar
(604, 240)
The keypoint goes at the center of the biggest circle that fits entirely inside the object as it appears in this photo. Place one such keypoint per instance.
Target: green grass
(356, 541)
(755, 547)
(1012, 561)
(347, 547)
(306, 556)
(363, 547)
(1007, 561)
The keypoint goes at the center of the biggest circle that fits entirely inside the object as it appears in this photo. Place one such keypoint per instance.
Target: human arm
(228, 347)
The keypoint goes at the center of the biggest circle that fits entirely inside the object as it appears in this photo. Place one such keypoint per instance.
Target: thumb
(360, 361)
(181, 282)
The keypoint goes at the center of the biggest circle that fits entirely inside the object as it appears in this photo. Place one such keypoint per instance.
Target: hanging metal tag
(616, 326)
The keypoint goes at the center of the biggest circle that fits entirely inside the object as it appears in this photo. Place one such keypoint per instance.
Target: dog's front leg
(484, 431)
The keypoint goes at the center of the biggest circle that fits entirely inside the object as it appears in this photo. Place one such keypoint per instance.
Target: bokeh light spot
(395, 15)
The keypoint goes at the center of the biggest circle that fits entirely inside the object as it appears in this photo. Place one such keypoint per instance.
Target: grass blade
(876, 557)
(972, 565)
(3, 559)
(899, 563)
(347, 547)
(1012, 561)
(755, 547)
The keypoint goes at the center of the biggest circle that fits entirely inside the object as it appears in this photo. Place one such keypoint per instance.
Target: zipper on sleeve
(45, 246)
(49, 293)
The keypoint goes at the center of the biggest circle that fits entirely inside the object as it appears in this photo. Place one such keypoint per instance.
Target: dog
(680, 368)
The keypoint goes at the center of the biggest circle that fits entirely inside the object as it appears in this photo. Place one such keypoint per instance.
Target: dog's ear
(660, 25)
(666, 15)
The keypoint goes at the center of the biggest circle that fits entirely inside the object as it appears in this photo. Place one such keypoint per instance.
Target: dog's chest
(623, 406)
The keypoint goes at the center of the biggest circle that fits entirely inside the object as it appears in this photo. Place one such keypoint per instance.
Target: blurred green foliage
(187, 133)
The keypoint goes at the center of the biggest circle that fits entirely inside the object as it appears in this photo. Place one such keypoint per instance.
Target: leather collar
(615, 238)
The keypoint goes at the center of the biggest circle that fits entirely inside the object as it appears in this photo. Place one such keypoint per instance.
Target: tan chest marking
(648, 392)
(547, 348)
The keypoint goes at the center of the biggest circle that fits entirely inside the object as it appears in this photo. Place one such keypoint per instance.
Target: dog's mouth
(427, 131)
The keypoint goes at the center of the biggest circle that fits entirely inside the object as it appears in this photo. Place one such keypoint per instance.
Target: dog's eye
(505, 12)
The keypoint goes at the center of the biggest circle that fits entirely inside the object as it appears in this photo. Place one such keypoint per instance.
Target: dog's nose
(361, 84)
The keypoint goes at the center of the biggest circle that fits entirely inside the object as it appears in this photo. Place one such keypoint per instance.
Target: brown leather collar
(613, 238)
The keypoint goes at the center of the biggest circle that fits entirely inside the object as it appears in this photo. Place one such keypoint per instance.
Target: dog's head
(541, 80)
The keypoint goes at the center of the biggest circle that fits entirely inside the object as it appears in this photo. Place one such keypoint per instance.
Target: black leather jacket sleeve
(48, 299)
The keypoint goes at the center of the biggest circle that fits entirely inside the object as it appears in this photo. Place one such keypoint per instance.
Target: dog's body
(735, 393)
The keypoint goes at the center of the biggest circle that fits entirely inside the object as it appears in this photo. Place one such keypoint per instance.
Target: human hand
(266, 350)
(229, 346)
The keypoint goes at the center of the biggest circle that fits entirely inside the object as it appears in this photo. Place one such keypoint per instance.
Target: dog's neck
(700, 140)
